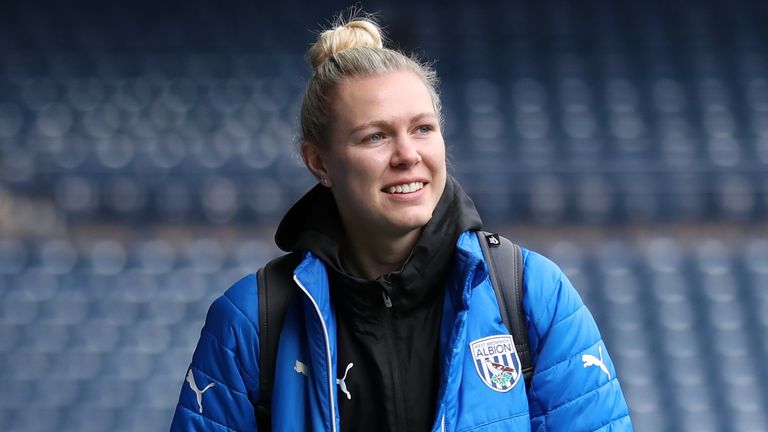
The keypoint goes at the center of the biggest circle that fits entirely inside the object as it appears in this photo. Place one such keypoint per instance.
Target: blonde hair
(352, 49)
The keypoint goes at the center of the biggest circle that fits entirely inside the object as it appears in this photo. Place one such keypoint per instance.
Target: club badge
(497, 362)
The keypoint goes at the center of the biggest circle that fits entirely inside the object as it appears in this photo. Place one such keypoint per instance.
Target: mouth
(405, 188)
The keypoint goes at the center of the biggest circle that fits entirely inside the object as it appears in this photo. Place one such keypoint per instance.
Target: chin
(412, 222)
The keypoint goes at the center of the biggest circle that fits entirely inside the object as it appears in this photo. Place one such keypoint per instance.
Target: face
(385, 161)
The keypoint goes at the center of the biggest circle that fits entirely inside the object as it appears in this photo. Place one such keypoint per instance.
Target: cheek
(356, 178)
(437, 159)
(362, 167)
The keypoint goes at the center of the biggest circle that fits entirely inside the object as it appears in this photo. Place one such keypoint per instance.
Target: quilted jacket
(574, 387)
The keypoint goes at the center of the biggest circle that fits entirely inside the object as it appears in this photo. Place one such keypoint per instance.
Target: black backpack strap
(276, 291)
(505, 268)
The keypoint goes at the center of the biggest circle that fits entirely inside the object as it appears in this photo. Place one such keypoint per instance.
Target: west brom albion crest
(496, 361)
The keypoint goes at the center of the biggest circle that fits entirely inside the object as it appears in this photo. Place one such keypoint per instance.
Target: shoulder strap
(507, 281)
(276, 291)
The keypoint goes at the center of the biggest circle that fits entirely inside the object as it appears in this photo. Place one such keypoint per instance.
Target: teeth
(406, 188)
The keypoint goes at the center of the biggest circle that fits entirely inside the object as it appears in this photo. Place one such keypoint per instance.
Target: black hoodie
(387, 329)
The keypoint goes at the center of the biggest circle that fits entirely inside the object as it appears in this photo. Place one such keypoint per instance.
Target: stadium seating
(148, 150)
(108, 328)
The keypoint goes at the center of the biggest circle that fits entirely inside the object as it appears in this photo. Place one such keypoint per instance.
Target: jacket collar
(313, 224)
(467, 271)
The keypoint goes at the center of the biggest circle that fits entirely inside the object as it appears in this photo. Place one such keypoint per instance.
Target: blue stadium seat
(19, 166)
(680, 343)
(57, 392)
(579, 120)
(103, 120)
(26, 366)
(89, 418)
(17, 308)
(77, 364)
(146, 337)
(6, 417)
(158, 397)
(548, 199)
(77, 195)
(57, 256)
(187, 285)
(229, 94)
(173, 201)
(124, 197)
(45, 337)
(9, 337)
(746, 403)
(39, 93)
(114, 309)
(677, 316)
(54, 120)
(97, 336)
(67, 155)
(106, 257)
(38, 286)
(204, 255)
(85, 94)
(134, 286)
(250, 253)
(155, 256)
(219, 200)
(173, 362)
(37, 419)
(11, 120)
(114, 153)
(140, 418)
(186, 334)
(663, 255)
(110, 391)
(128, 368)
(751, 420)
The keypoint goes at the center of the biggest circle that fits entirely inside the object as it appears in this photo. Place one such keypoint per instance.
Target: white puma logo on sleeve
(343, 383)
(198, 392)
(301, 368)
(590, 360)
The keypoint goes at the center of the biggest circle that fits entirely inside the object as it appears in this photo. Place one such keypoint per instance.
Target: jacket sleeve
(574, 386)
(221, 385)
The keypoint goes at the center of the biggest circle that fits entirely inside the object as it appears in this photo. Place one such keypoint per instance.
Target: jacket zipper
(387, 300)
(396, 382)
(327, 352)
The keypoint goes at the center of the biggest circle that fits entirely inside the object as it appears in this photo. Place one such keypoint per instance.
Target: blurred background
(147, 151)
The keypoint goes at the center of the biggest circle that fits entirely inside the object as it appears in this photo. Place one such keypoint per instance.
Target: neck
(372, 256)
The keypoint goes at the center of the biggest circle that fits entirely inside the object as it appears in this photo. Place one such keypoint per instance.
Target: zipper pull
(387, 300)
(386, 287)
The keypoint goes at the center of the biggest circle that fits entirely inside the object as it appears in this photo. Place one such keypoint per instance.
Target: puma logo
(198, 392)
(301, 368)
(590, 360)
(342, 382)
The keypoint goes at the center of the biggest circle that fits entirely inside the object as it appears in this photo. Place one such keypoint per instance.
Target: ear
(313, 159)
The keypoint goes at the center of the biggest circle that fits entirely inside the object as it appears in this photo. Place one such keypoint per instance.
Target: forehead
(386, 97)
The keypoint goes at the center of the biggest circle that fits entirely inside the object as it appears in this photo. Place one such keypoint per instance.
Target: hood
(313, 224)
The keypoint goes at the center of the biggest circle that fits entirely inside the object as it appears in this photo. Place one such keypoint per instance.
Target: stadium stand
(147, 151)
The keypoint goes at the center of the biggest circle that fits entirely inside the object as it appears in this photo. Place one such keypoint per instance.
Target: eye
(376, 137)
(424, 129)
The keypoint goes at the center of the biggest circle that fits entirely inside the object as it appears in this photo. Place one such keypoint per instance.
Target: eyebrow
(384, 122)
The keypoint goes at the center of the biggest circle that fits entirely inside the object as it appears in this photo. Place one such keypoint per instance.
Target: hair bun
(357, 33)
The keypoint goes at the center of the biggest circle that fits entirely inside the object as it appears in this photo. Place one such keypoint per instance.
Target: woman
(395, 289)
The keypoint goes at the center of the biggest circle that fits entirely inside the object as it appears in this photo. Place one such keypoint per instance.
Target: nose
(405, 153)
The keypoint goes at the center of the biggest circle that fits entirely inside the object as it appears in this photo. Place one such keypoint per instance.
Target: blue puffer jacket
(574, 386)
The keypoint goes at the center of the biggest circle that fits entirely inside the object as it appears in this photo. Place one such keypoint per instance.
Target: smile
(405, 188)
